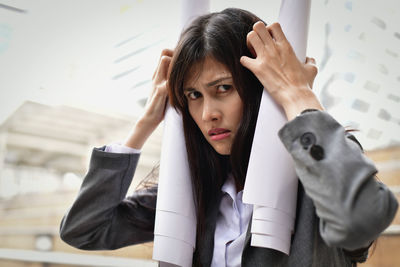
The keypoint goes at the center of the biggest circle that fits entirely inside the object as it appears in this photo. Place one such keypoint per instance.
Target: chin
(223, 151)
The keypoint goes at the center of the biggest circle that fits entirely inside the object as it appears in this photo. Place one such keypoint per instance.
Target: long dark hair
(221, 36)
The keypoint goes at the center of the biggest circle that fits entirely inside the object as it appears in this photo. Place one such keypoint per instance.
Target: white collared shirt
(231, 228)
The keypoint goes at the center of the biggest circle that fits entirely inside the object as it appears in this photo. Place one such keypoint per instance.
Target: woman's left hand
(286, 79)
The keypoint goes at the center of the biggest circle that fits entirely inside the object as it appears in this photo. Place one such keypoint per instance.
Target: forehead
(206, 71)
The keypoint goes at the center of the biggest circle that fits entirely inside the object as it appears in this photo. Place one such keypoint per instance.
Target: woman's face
(214, 104)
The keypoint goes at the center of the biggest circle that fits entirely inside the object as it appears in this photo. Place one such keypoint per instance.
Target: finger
(167, 52)
(310, 60)
(260, 28)
(247, 62)
(155, 71)
(251, 48)
(164, 52)
(310, 65)
(284, 47)
(276, 32)
(254, 42)
(162, 70)
(311, 69)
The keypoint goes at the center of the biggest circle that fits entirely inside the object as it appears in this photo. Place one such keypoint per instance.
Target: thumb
(311, 70)
(311, 66)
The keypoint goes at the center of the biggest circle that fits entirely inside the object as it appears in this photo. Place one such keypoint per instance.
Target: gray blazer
(341, 207)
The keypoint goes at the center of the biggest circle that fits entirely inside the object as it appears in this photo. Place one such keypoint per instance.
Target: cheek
(195, 113)
(237, 112)
(239, 115)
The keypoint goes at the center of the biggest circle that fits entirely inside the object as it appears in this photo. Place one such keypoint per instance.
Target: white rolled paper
(175, 222)
(182, 256)
(175, 225)
(271, 182)
(270, 214)
(175, 166)
(294, 17)
(192, 9)
(264, 227)
(267, 241)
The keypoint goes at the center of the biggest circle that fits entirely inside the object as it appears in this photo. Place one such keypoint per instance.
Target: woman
(215, 77)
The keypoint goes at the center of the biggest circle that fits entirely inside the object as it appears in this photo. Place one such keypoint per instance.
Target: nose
(211, 111)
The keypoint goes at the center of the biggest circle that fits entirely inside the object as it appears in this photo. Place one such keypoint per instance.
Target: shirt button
(307, 139)
(317, 152)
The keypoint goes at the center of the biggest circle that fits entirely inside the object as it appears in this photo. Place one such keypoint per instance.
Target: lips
(218, 133)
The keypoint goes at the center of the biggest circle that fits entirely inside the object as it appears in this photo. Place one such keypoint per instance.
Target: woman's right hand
(155, 106)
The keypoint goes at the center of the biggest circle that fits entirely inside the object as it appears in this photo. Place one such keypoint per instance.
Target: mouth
(217, 134)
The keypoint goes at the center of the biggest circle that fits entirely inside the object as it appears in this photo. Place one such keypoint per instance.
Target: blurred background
(76, 74)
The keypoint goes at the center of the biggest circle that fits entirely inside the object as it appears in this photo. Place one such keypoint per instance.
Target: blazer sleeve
(353, 206)
(101, 217)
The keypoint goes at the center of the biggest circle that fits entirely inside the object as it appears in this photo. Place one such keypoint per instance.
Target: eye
(193, 95)
(224, 87)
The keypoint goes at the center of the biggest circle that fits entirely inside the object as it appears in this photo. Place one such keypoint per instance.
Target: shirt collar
(229, 187)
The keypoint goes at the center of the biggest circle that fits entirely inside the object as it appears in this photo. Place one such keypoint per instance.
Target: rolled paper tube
(175, 225)
(175, 187)
(182, 258)
(266, 241)
(270, 174)
(294, 17)
(271, 214)
(192, 9)
(270, 228)
(175, 212)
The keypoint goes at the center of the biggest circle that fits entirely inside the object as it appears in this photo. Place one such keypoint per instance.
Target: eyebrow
(210, 84)
(218, 81)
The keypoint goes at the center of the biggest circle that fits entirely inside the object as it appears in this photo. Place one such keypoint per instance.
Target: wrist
(300, 100)
(139, 134)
